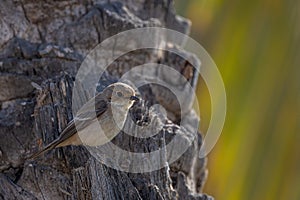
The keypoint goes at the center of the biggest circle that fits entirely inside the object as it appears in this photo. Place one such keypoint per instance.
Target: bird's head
(120, 94)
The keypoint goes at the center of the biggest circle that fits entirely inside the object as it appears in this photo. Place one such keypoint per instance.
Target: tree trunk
(42, 46)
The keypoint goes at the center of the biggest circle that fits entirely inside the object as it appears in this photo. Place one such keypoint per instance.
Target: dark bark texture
(42, 44)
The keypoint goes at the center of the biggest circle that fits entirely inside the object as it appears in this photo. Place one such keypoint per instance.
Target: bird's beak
(134, 98)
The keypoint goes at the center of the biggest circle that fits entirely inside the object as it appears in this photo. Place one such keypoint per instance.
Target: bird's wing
(84, 117)
(86, 114)
(93, 108)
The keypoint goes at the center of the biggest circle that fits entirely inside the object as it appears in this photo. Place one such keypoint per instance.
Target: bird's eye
(120, 94)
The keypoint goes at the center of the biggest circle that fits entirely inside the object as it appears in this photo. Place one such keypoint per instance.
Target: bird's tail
(50, 146)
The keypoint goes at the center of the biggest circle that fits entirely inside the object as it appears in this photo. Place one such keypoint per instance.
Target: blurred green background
(256, 46)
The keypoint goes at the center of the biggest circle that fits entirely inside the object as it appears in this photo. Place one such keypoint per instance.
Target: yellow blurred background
(256, 46)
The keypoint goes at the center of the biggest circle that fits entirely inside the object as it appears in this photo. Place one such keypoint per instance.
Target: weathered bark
(42, 45)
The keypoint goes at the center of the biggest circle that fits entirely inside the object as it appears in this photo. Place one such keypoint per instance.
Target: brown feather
(69, 135)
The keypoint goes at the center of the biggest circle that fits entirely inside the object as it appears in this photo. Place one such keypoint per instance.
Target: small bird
(99, 120)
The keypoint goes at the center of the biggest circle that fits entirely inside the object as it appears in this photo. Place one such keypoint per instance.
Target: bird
(98, 121)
